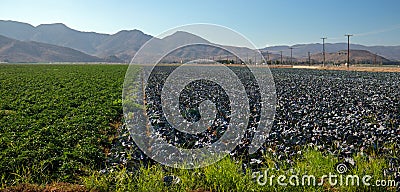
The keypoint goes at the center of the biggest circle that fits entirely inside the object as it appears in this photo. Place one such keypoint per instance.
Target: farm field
(56, 121)
(60, 123)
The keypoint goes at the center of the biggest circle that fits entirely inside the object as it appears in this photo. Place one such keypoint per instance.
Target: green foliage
(55, 119)
(228, 175)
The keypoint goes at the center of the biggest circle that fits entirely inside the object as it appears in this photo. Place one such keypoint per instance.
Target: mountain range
(16, 51)
(22, 42)
(301, 50)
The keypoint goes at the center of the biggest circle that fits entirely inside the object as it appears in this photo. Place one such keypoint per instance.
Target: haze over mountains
(21, 42)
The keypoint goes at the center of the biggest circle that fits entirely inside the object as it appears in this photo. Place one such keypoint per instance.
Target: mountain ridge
(124, 44)
(301, 50)
(17, 51)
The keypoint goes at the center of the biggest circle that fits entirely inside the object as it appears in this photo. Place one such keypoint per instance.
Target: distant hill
(56, 34)
(357, 56)
(301, 50)
(12, 50)
(123, 45)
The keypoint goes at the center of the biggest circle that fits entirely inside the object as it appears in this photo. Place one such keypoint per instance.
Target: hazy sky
(265, 23)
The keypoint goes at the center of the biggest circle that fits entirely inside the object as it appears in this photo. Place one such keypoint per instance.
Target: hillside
(123, 45)
(357, 56)
(12, 50)
(301, 50)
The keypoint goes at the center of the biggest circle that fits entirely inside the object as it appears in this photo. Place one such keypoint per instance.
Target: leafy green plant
(55, 120)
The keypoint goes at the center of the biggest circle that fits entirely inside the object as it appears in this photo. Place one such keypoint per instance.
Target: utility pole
(309, 58)
(255, 58)
(323, 50)
(291, 55)
(281, 58)
(268, 57)
(348, 49)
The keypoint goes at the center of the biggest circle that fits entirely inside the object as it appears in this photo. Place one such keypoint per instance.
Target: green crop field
(55, 121)
(58, 122)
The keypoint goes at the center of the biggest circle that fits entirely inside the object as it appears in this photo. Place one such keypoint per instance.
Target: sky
(263, 22)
